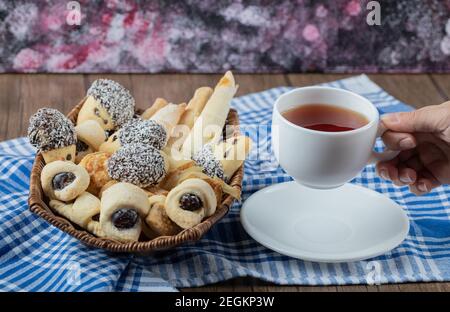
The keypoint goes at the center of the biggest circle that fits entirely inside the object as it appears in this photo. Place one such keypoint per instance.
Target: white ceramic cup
(325, 160)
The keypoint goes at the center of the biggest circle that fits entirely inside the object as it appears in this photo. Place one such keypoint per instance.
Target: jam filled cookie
(53, 135)
(108, 103)
(63, 180)
(181, 174)
(189, 202)
(96, 166)
(222, 160)
(123, 206)
(83, 211)
(138, 164)
(146, 132)
(90, 135)
(157, 219)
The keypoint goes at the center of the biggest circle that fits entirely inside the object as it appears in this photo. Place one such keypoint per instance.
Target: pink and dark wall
(212, 36)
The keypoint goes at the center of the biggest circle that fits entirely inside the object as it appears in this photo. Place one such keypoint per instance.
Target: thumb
(427, 119)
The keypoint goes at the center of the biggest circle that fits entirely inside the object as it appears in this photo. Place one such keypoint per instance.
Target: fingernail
(391, 118)
(384, 174)
(422, 187)
(406, 179)
(406, 143)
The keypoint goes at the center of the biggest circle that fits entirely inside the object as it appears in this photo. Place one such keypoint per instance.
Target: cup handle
(383, 156)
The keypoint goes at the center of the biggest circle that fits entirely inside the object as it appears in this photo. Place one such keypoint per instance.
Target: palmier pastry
(63, 180)
(189, 202)
(96, 166)
(90, 135)
(53, 135)
(223, 159)
(138, 164)
(83, 211)
(123, 206)
(157, 219)
(209, 125)
(108, 103)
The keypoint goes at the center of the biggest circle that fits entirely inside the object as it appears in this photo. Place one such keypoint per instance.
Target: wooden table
(21, 95)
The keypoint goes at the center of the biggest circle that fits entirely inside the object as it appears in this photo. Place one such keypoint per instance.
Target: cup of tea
(323, 137)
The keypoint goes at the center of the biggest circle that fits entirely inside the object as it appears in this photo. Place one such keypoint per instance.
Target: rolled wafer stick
(195, 106)
(157, 105)
(192, 112)
(169, 116)
(208, 126)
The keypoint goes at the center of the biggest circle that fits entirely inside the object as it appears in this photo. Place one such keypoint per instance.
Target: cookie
(189, 202)
(146, 132)
(224, 159)
(90, 135)
(108, 103)
(96, 166)
(157, 219)
(53, 135)
(123, 206)
(63, 180)
(209, 125)
(138, 164)
(82, 211)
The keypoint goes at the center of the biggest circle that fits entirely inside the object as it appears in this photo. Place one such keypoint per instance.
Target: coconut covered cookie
(223, 159)
(53, 134)
(138, 164)
(108, 103)
(146, 132)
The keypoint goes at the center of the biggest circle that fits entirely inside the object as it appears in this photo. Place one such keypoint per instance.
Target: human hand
(423, 139)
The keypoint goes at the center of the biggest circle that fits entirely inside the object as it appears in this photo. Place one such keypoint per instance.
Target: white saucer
(349, 223)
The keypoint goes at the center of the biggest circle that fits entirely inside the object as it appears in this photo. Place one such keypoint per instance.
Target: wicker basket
(38, 204)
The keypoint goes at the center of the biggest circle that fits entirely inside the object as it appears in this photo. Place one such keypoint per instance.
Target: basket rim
(38, 205)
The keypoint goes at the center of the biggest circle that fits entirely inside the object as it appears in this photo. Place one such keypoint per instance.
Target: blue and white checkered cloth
(35, 256)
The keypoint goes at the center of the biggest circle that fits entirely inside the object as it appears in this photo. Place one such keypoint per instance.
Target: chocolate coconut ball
(211, 166)
(117, 101)
(49, 129)
(146, 132)
(138, 164)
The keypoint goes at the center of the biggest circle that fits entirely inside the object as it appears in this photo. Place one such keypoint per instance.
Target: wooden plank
(174, 88)
(442, 83)
(415, 90)
(9, 102)
(243, 284)
(303, 80)
(36, 91)
(256, 83)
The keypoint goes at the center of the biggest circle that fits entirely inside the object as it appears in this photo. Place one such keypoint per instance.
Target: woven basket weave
(38, 204)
